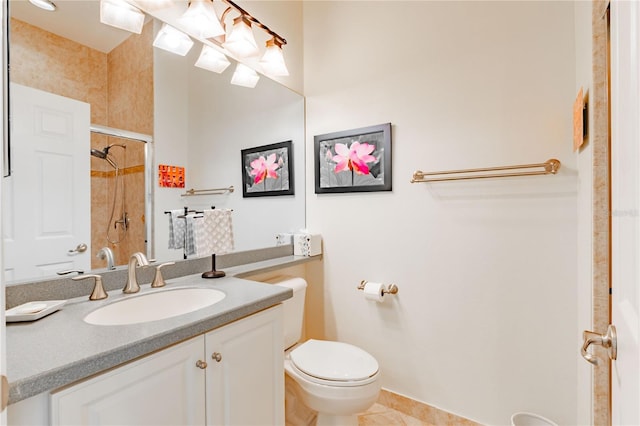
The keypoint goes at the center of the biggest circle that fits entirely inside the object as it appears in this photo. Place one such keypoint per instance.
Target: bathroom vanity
(219, 365)
(210, 379)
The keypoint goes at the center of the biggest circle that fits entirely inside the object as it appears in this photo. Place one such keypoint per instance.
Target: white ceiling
(77, 20)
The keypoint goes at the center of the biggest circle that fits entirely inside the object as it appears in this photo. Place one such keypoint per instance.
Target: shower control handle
(80, 248)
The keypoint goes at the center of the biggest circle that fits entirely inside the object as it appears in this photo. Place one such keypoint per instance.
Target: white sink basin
(155, 306)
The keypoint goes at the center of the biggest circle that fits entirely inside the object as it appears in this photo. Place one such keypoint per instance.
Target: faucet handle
(158, 280)
(98, 292)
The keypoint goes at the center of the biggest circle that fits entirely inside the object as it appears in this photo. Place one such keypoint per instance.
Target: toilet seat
(334, 363)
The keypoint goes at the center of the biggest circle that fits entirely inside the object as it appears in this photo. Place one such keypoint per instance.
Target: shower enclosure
(120, 222)
(120, 213)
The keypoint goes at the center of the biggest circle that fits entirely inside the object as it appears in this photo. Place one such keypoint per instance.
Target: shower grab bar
(213, 191)
(549, 167)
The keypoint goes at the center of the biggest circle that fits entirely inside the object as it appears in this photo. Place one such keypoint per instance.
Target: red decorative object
(170, 176)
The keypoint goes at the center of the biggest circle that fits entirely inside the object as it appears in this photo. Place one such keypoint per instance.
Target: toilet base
(325, 419)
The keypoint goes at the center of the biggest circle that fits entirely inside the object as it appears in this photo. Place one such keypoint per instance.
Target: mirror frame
(6, 158)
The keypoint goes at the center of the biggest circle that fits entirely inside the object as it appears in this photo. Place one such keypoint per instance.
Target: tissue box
(284, 239)
(307, 244)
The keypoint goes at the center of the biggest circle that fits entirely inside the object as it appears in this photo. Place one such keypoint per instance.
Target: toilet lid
(335, 361)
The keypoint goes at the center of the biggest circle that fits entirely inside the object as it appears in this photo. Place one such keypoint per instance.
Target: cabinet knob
(216, 356)
(201, 364)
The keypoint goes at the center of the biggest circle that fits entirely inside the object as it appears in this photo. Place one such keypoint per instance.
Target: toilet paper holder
(390, 289)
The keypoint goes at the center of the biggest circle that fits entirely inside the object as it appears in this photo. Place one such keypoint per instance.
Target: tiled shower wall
(119, 87)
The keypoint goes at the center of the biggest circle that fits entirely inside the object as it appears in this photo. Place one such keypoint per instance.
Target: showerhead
(99, 154)
(105, 151)
(104, 155)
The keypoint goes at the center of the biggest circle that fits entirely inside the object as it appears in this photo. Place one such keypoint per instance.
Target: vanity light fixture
(245, 76)
(201, 17)
(273, 61)
(212, 60)
(120, 14)
(240, 40)
(44, 4)
(173, 40)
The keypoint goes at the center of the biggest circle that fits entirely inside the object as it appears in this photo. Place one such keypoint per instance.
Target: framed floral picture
(267, 170)
(357, 160)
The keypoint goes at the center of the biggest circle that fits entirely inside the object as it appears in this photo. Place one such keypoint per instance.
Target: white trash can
(530, 419)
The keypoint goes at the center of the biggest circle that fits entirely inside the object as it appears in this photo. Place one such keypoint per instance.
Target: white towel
(202, 246)
(190, 239)
(218, 228)
(177, 229)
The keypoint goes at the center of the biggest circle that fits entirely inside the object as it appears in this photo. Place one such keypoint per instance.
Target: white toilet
(338, 380)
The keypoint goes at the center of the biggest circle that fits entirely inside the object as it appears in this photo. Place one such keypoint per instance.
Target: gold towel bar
(549, 167)
(212, 191)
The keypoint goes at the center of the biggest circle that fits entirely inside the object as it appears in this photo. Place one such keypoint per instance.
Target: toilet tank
(293, 308)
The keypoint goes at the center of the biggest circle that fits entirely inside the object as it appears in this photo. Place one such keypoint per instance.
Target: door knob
(608, 341)
(80, 248)
(217, 356)
(201, 364)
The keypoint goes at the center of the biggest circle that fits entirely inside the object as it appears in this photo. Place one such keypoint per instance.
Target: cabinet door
(246, 386)
(165, 388)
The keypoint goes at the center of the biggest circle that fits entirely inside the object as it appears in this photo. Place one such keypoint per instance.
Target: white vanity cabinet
(232, 375)
(160, 389)
(245, 372)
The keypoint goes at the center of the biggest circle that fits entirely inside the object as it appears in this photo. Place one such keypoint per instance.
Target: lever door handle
(80, 248)
(608, 341)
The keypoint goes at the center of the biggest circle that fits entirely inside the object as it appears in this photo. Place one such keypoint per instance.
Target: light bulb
(172, 40)
(120, 14)
(245, 76)
(202, 19)
(240, 41)
(273, 60)
(212, 60)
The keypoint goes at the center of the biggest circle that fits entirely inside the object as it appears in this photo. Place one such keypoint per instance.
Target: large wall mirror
(69, 74)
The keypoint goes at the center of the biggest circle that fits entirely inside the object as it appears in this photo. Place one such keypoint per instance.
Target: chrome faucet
(136, 259)
(106, 253)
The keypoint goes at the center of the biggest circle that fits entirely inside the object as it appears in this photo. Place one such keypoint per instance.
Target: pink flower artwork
(353, 158)
(262, 168)
(357, 160)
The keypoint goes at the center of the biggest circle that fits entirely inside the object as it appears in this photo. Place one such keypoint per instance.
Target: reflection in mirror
(219, 121)
(198, 121)
(117, 88)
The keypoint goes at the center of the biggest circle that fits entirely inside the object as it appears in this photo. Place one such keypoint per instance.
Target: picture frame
(357, 160)
(267, 170)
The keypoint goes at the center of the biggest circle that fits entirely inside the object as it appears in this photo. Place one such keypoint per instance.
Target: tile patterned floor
(379, 415)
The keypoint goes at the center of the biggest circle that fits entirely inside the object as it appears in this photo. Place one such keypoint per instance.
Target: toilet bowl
(336, 379)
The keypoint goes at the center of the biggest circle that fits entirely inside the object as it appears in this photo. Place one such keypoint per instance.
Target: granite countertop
(61, 348)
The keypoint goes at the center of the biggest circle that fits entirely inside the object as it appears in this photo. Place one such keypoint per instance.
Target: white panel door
(47, 199)
(625, 175)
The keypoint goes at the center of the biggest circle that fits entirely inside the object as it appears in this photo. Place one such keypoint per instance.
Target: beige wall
(485, 321)
(130, 95)
(119, 88)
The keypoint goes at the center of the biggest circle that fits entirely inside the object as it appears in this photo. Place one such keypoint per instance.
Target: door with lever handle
(80, 248)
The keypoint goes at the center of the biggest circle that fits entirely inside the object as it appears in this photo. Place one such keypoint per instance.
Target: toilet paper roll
(374, 291)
